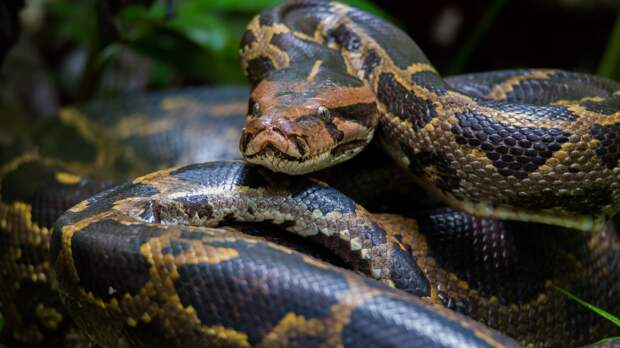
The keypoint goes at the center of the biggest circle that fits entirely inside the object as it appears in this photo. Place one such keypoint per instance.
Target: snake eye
(324, 113)
(256, 109)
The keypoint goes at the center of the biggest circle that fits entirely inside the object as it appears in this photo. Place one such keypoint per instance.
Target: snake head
(297, 127)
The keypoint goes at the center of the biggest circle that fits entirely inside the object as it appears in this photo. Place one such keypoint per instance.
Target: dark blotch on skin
(361, 113)
(447, 178)
(513, 150)
(345, 38)
(370, 327)
(222, 174)
(268, 18)
(430, 81)
(509, 260)
(58, 140)
(371, 61)
(406, 273)
(176, 247)
(258, 68)
(608, 106)
(247, 39)
(404, 104)
(397, 44)
(126, 271)
(105, 200)
(608, 150)
(192, 235)
(277, 283)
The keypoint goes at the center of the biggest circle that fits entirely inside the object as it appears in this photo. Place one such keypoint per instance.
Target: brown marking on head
(301, 126)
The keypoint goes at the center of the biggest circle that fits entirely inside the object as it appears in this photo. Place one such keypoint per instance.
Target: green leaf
(595, 309)
(608, 340)
(1, 322)
(74, 20)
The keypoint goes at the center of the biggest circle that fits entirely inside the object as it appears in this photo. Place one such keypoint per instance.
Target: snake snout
(265, 137)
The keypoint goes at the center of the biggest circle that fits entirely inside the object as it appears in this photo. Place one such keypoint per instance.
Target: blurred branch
(610, 64)
(472, 42)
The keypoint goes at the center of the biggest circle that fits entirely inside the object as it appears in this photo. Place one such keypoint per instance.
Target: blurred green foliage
(197, 42)
(610, 63)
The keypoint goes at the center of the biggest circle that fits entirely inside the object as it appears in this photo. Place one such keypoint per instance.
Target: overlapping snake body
(322, 70)
(142, 265)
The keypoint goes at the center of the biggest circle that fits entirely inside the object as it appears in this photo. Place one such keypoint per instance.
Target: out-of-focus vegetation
(194, 41)
(610, 64)
(603, 313)
(71, 51)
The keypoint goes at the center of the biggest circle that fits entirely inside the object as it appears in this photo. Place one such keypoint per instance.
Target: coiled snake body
(325, 74)
(142, 264)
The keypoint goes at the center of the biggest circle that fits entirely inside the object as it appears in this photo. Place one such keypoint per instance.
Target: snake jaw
(300, 127)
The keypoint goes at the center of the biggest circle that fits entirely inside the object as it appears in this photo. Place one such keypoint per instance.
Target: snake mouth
(278, 161)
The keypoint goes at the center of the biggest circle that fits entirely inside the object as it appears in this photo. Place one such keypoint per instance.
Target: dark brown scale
(551, 112)
(608, 106)
(429, 80)
(404, 104)
(513, 150)
(608, 150)
(513, 261)
(260, 67)
(247, 39)
(371, 61)
(345, 38)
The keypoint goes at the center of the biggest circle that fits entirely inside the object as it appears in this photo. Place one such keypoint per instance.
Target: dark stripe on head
(361, 113)
(258, 68)
(514, 150)
(402, 103)
(608, 150)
